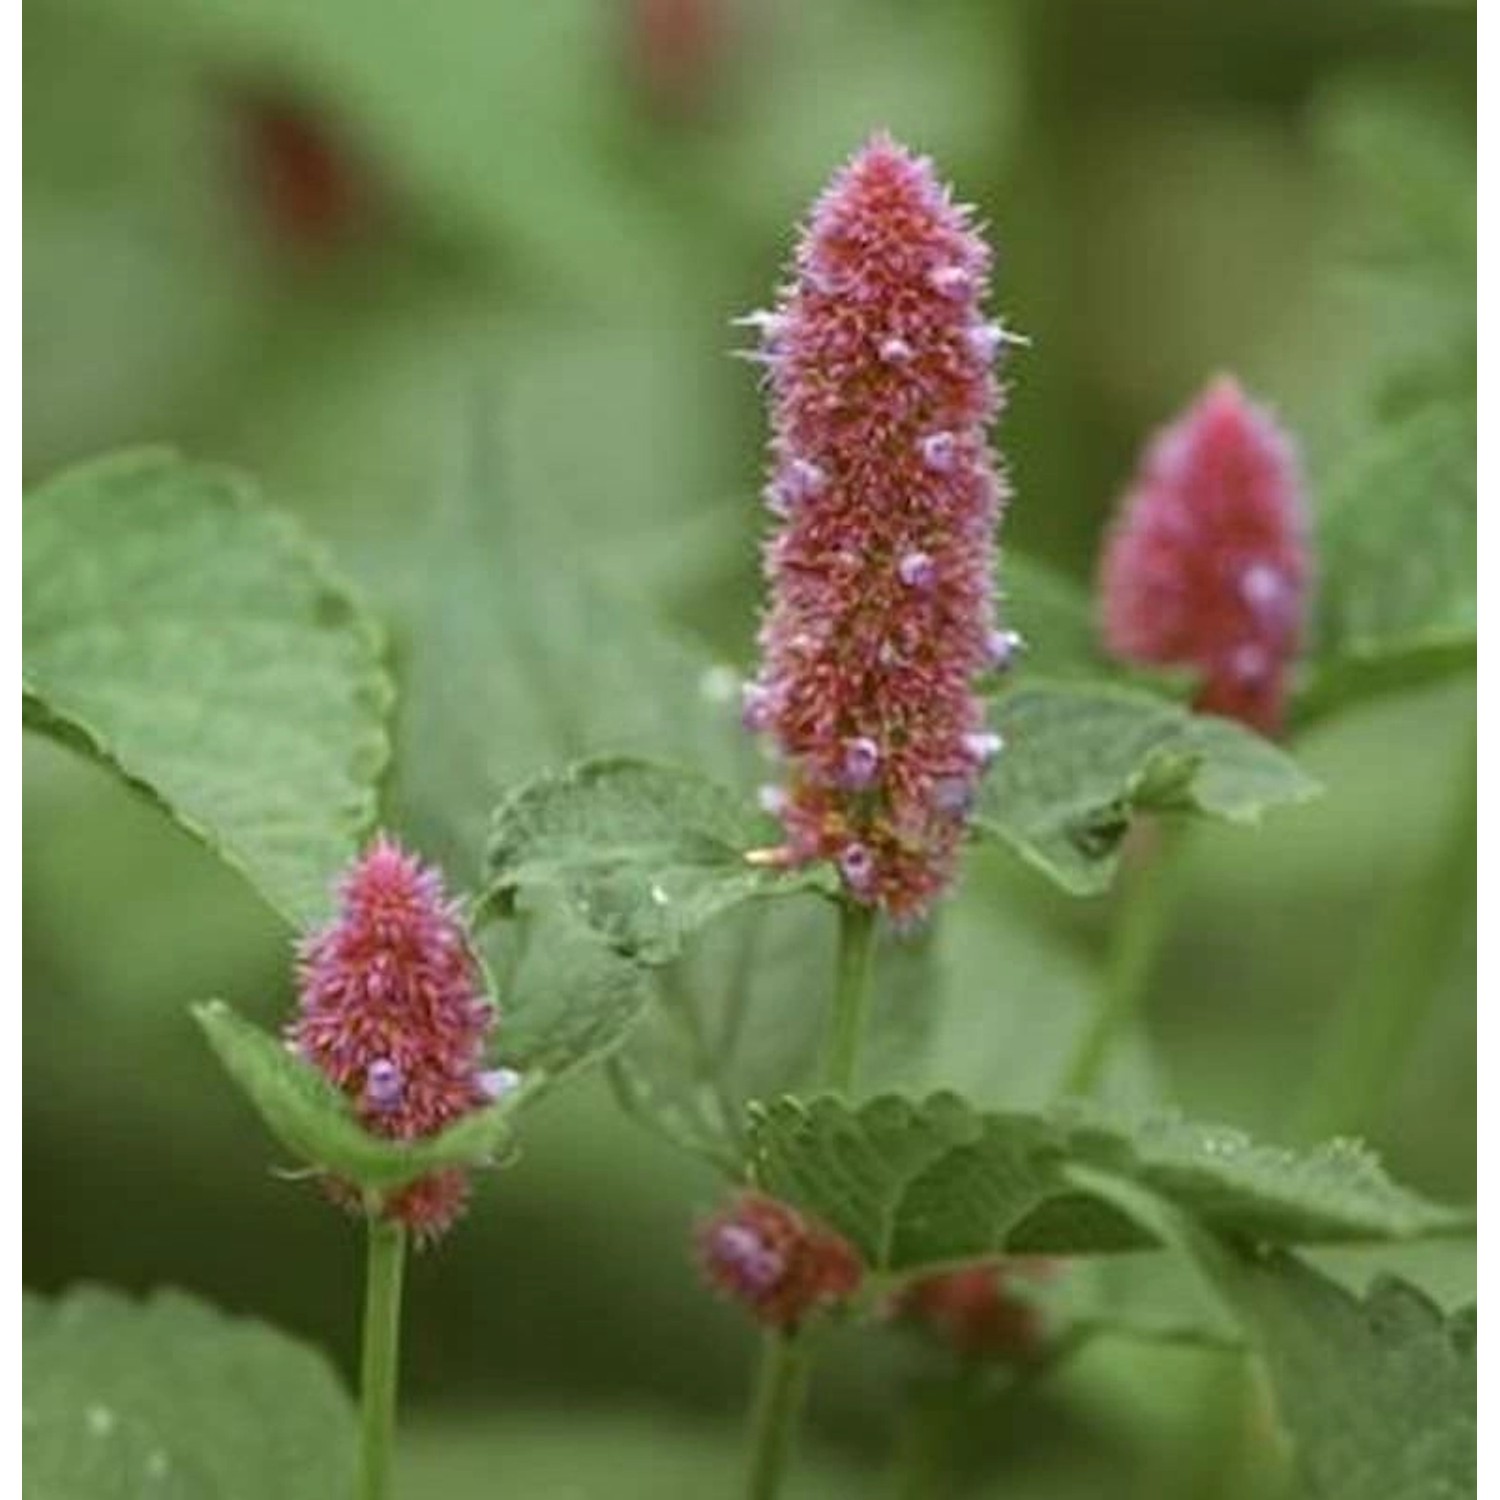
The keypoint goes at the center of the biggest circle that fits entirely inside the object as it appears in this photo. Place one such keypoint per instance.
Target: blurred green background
(324, 241)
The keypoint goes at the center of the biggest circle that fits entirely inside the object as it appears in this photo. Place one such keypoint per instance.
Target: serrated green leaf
(646, 855)
(518, 664)
(1398, 600)
(192, 640)
(569, 1000)
(1080, 762)
(314, 1121)
(168, 1397)
(922, 1183)
(1377, 1394)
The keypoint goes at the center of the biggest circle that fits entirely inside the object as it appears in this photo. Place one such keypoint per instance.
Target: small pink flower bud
(861, 762)
(917, 570)
(389, 1013)
(983, 746)
(939, 451)
(881, 606)
(976, 1312)
(781, 1268)
(1002, 647)
(1207, 565)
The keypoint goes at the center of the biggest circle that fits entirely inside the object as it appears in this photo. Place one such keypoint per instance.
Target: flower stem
(1398, 977)
(851, 996)
(382, 1333)
(778, 1404)
(1135, 940)
(784, 1361)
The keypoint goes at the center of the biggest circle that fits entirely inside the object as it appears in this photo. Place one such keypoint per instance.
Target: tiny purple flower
(861, 762)
(916, 570)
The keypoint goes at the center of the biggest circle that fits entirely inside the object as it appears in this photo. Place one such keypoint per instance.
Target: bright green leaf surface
(1397, 601)
(313, 1120)
(644, 854)
(179, 632)
(1376, 1393)
(1079, 762)
(569, 999)
(170, 1398)
(918, 1183)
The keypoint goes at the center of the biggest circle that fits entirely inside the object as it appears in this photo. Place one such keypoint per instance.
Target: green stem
(382, 1334)
(1398, 978)
(784, 1362)
(851, 996)
(778, 1404)
(1135, 941)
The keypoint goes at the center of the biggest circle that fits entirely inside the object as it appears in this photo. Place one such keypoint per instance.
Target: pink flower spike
(1207, 563)
(390, 1013)
(881, 614)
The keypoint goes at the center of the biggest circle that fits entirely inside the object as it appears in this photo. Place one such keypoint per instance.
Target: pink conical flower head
(881, 616)
(392, 1013)
(1206, 565)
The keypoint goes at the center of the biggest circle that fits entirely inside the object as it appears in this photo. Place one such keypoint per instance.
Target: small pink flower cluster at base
(392, 1012)
(1206, 565)
(881, 616)
(779, 1266)
(976, 1311)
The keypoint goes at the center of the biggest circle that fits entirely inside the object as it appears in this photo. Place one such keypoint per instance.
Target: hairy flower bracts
(881, 572)
(392, 1012)
(767, 1257)
(977, 1311)
(1207, 564)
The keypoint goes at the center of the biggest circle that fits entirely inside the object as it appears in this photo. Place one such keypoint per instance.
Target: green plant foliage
(569, 999)
(178, 631)
(168, 1397)
(314, 1121)
(644, 854)
(1397, 601)
(920, 1183)
(518, 658)
(1080, 762)
(1377, 1393)
(1055, 617)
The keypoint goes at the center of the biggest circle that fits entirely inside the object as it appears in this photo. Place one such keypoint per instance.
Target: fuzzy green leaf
(1080, 762)
(315, 1122)
(569, 999)
(920, 1183)
(1397, 602)
(646, 855)
(1376, 1393)
(192, 640)
(169, 1397)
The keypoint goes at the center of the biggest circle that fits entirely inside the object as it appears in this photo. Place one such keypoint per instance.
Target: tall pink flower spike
(392, 1013)
(881, 573)
(1207, 565)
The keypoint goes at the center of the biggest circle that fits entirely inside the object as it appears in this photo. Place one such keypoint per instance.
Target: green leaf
(169, 1397)
(179, 632)
(1377, 1394)
(646, 855)
(921, 1183)
(517, 664)
(1398, 602)
(1080, 762)
(1054, 616)
(315, 1122)
(569, 1000)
